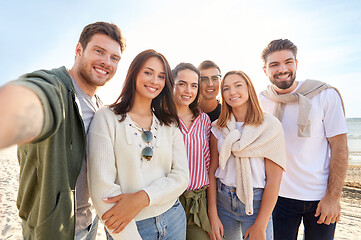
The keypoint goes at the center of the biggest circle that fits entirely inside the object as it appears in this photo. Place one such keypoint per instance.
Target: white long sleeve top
(115, 165)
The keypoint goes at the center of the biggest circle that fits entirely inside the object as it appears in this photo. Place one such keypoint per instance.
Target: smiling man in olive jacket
(47, 114)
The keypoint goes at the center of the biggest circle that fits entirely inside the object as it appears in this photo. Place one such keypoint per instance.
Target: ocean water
(354, 140)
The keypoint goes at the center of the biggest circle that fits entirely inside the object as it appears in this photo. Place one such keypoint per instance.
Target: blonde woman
(247, 161)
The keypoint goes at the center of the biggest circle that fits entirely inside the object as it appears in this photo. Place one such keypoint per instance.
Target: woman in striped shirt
(195, 127)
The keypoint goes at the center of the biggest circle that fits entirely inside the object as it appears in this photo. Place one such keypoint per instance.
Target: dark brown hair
(183, 66)
(278, 45)
(254, 114)
(163, 105)
(108, 29)
(208, 64)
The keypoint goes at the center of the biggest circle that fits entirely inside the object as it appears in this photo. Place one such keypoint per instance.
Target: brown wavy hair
(278, 45)
(163, 105)
(108, 29)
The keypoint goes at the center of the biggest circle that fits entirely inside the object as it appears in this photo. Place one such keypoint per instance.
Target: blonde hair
(254, 114)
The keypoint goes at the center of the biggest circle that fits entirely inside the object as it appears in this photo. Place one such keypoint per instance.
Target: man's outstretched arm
(21, 115)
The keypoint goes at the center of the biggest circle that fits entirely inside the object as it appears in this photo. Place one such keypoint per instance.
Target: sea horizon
(354, 140)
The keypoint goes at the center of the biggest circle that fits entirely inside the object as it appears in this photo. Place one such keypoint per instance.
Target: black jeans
(287, 217)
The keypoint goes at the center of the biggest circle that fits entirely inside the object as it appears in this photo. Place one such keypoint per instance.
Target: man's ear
(264, 70)
(79, 50)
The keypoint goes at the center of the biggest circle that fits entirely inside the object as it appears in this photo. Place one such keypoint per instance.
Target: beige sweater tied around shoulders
(302, 95)
(264, 141)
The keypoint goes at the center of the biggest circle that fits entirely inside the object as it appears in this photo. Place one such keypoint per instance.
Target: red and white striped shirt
(196, 141)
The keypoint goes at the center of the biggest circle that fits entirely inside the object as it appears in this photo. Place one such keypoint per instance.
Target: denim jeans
(232, 214)
(90, 232)
(170, 225)
(287, 217)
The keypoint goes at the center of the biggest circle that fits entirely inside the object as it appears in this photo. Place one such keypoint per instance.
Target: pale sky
(43, 35)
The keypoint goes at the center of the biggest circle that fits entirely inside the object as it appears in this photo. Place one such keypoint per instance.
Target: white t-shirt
(228, 175)
(308, 158)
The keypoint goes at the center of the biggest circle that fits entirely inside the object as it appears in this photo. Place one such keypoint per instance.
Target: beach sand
(10, 224)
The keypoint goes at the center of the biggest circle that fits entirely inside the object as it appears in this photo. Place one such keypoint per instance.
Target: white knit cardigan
(115, 166)
(264, 141)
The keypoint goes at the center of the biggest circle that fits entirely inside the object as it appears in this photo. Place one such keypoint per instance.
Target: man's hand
(22, 115)
(329, 210)
(126, 207)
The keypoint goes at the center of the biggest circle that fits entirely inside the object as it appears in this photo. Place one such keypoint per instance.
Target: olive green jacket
(50, 165)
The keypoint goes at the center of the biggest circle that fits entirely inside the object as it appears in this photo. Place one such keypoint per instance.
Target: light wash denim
(89, 233)
(232, 214)
(170, 225)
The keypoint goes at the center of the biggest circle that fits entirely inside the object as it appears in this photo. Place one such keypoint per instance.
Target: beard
(284, 84)
(89, 77)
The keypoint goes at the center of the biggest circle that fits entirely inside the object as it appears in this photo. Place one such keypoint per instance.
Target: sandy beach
(348, 228)
(10, 222)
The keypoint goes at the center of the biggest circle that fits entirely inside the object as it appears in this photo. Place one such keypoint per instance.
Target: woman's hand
(255, 232)
(217, 228)
(126, 207)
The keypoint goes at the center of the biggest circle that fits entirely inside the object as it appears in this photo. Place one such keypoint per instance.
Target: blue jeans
(170, 225)
(90, 232)
(232, 214)
(287, 217)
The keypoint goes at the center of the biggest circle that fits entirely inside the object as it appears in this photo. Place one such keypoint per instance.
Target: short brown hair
(254, 112)
(108, 29)
(278, 45)
(208, 64)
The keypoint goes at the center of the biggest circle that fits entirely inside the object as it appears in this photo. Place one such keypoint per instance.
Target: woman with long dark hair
(137, 165)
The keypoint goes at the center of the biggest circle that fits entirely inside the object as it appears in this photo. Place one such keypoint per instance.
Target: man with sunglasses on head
(209, 89)
(47, 113)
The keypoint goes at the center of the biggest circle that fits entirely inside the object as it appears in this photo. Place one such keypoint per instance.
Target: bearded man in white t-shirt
(314, 123)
